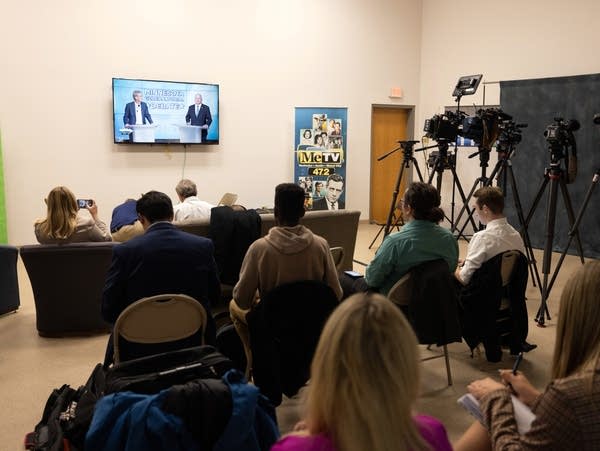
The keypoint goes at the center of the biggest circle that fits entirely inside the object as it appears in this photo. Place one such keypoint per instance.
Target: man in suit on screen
(199, 114)
(136, 112)
(333, 190)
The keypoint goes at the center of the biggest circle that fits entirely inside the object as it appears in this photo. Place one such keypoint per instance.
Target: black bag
(67, 416)
(153, 373)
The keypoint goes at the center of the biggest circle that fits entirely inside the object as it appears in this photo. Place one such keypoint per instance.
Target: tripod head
(560, 138)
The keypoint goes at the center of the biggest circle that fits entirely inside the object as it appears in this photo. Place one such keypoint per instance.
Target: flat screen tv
(165, 112)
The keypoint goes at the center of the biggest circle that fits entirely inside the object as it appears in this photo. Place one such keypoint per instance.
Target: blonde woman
(364, 384)
(568, 411)
(65, 223)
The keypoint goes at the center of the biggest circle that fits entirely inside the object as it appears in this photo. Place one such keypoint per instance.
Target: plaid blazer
(567, 416)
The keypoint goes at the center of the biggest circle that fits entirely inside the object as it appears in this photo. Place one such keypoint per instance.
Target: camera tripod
(482, 180)
(556, 176)
(408, 157)
(503, 170)
(441, 163)
(575, 227)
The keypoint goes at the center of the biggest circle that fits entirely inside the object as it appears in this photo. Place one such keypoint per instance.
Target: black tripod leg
(571, 215)
(507, 173)
(466, 207)
(434, 170)
(550, 222)
(388, 223)
(536, 200)
(416, 166)
(462, 196)
(575, 227)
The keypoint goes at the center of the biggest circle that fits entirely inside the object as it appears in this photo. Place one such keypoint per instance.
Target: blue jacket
(122, 215)
(132, 422)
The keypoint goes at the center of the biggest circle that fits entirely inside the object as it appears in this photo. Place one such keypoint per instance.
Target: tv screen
(150, 111)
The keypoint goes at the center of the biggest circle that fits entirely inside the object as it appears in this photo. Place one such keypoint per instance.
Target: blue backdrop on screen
(168, 104)
(320, 155)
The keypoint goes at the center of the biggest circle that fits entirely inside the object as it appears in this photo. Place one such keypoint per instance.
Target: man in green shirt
(420, 240)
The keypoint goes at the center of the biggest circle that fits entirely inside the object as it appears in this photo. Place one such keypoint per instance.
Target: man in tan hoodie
(288, 253)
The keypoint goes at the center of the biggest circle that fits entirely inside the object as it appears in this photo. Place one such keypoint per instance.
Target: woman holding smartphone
(69, 220)
(568, 411)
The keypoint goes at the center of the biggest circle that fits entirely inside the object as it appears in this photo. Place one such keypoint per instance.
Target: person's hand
(461, 262)
(457, 275)
(482, 387)
(93, 209)
(205, 127)
(522, 388)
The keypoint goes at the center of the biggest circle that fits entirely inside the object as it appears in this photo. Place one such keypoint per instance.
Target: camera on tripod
(484, 128)
(560, 138)
(510, 135)
(443, 126)
(449, 161)
(559, 134)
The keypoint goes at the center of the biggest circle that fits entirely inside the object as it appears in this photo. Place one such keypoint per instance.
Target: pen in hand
(517, 363)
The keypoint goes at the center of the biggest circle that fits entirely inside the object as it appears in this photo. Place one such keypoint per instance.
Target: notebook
(523, 414)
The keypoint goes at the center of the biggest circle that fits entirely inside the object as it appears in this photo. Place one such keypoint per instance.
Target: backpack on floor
(67, 416)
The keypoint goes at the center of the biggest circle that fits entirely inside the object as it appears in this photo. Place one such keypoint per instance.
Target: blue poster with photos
(320, 155)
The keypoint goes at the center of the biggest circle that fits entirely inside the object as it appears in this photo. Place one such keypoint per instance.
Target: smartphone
(353, 274)
(84, 203)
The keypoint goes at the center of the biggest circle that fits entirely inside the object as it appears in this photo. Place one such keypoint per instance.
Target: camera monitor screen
(149, 111)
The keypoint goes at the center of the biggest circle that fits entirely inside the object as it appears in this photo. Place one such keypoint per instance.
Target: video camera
(443, 126)
(510, 134)
(560, 138)
(560, 133)
(483, 128)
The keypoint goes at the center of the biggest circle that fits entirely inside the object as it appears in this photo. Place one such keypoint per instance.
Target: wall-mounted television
(165, 112)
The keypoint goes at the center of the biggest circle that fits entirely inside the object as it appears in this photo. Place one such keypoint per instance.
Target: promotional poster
(320, 156)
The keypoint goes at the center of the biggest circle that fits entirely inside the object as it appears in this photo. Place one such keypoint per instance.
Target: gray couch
(67, 282)
(338, 227)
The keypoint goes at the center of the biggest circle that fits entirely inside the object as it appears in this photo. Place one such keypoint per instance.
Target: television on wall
(165, 112)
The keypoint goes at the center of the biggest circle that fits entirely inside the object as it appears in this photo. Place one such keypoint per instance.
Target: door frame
(410, 133)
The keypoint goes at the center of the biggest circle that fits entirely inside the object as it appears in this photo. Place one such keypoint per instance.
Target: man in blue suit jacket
(135, 109)
(163, 260)
(199, 114)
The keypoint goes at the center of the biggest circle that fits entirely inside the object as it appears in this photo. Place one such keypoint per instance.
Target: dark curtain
(537, 102)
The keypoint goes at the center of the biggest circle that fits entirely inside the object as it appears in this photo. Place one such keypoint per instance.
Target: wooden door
(388, 126)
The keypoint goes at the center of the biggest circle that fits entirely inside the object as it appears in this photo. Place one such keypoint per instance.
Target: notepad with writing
(523, 414)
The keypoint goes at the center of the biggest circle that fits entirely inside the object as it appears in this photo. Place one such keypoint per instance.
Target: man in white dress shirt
(498, 236)
(190, 207)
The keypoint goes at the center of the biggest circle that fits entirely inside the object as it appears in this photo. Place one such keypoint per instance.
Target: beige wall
(268, 56)
(507, 40)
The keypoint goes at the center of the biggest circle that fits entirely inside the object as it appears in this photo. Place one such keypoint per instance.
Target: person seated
(567, 411)
(289, 252)
(190, 207)
(364, 383)
(163, 260)
(480, 275)
(420, 240)
(66, 222)
(125, 224)
(498, 236)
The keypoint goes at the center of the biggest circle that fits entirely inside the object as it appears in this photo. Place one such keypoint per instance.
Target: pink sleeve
(303, 443)
(434, 432)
